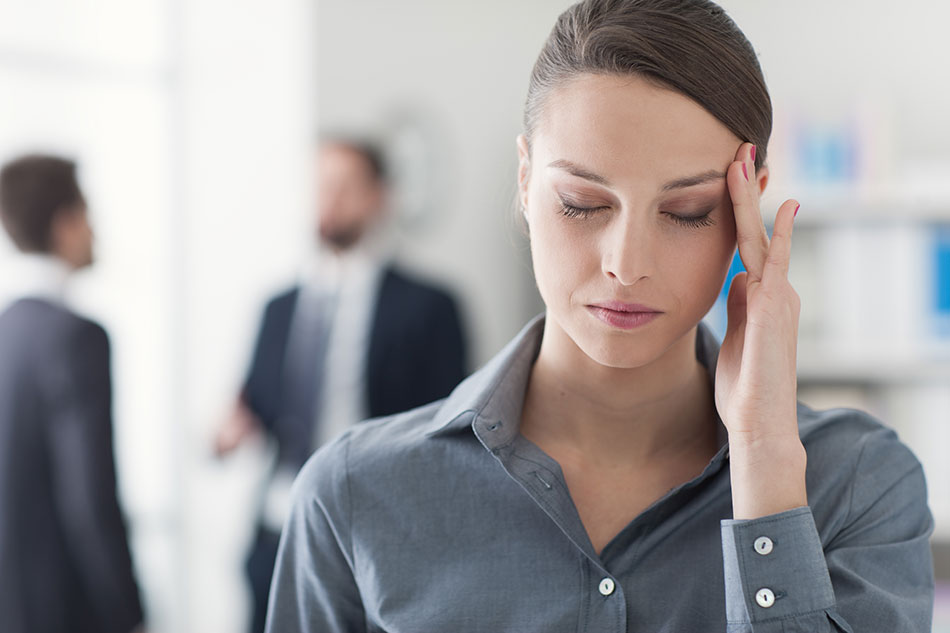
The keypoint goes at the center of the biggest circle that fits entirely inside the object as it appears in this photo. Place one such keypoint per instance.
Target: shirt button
(606, 586)
(763, 545)
(765, 598)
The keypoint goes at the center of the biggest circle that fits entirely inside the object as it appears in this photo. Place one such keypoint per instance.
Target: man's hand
(237, 427)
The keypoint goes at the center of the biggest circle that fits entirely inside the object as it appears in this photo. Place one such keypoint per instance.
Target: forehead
(625, 127)
(338, 157)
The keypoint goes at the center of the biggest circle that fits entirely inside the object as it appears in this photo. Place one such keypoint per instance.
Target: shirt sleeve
(874, 573)
(314, 589)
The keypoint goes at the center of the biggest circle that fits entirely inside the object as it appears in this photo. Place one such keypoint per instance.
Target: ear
(762, 178)
(524, 170)
(69, 233)
(61, 229)
(381, 201)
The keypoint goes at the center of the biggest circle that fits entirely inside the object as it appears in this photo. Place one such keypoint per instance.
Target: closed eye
(693, 221)
(573, 211)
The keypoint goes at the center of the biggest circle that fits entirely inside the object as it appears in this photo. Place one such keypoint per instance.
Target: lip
(626, 316)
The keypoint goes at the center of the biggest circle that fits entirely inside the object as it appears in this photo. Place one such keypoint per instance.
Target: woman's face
(630, 220)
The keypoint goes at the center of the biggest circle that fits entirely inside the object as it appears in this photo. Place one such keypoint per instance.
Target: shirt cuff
(774, 568)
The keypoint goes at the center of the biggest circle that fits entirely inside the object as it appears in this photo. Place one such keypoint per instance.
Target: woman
(612, 469)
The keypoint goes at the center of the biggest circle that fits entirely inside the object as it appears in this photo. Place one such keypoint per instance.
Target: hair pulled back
(689, 46)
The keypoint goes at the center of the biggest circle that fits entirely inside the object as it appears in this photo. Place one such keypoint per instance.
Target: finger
(780, 248)
(751, 237)
(736, 311)
(736, 306)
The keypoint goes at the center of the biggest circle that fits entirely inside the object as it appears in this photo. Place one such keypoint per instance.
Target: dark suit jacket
(416, 355)
(64, 559)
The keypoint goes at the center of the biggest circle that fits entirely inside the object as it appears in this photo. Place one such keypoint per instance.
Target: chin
(341, 239)
(617, 353)
(629, 349)
(619, 349)
(85, 262)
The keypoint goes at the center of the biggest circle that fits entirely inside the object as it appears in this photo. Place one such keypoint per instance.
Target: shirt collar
(495, 393)
(326, 270)
(36, 276)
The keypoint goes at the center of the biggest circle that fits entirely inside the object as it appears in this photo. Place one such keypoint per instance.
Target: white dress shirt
(351, 279)
(35, 276)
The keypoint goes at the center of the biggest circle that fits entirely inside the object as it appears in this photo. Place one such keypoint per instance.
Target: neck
(51, 260)
(618, 415)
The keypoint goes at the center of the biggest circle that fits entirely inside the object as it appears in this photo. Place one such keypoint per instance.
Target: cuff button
(763, 545)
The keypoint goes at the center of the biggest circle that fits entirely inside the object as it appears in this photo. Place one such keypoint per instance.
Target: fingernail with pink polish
(796, 210)
(745, 172)
(753, 153)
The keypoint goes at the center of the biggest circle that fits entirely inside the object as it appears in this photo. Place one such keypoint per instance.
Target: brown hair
(689, 46)
(370, 152)
(33, 191)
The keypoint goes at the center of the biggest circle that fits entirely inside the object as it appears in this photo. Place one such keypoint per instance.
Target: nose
(627, 250)
(329, 202)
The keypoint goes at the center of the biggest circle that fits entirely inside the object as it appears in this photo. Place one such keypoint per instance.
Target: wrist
(757, 443)
(767, 475)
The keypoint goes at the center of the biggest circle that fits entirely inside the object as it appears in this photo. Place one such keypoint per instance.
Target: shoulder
(282, 300)
(51, 347)
(278, 311)
(376, 449)
(847, 436)
(398, 282)
(84, 333)
(859, 470)
(54, 324)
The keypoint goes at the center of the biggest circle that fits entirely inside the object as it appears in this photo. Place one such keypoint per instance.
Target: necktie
(304, 368)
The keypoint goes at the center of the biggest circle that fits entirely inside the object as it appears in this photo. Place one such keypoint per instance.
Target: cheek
(563, 257)
(699, 264)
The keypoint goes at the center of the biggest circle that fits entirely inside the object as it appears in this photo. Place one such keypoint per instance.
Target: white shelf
(847, 203)
(871, 368)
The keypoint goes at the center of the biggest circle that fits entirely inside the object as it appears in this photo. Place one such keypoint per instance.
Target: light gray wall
(466, 66)
(831, 55)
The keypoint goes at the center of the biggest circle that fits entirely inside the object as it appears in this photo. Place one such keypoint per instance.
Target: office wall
(464, 68)
(246, 117)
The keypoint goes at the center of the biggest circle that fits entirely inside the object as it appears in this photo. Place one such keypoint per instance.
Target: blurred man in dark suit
(355, 339)
(64, 558)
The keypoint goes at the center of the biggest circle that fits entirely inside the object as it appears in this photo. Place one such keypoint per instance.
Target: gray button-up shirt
(446, 519)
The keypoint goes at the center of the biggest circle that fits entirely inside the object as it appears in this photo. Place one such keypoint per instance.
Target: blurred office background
(193, 123)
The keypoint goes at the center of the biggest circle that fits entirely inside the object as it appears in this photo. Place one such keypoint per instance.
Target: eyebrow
(580, 172)
(700, 179)
(680, 183)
